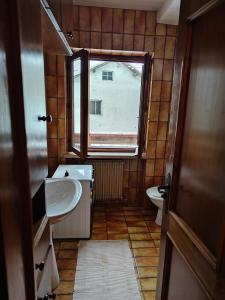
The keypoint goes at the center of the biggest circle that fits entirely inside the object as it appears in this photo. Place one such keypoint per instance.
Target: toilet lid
(153, 191)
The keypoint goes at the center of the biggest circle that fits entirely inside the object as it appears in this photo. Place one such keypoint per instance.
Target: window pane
(117, 125)
(77, 103)
(98, 107)
(92, 107)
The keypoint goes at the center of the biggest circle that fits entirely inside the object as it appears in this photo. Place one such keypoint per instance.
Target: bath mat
(105, 270)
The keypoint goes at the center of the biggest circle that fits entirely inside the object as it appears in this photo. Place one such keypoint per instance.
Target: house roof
(135, 68)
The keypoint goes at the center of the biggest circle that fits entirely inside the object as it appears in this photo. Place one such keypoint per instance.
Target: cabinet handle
(40, 266)
(47, 118)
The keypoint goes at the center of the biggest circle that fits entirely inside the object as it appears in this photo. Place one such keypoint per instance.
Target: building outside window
(95, 107)
(107, 75)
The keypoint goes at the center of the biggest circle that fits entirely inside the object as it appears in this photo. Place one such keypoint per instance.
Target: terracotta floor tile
(99, 236)
(65, 287)
(132, 213)
(156, 236)
(148, 284)
(134, 218)
(115, 218)
(99, 209)
(117, 230)
(155, 229)
(152, 224)
(99, 225)
(138, 229)
(67, 275)
(99, 219)
(99, 214)
(116, 209)
(69, 245)
(67, 254)
(157, 243)
(149, 295)
(129, 208)
(99, 230)
(115, 213)
(147, 261)
(66, 264)
(144, 272)
(142, 244)
(56, 245)
(145, 252)
(118, 236)
(140, 237)
(116, 223)
(136, 223)
(147, 212)
(149, 218)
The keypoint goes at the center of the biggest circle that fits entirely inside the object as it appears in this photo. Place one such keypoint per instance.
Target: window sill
(103, 155)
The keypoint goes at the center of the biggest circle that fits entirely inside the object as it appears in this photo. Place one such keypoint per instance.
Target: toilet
(157, 199)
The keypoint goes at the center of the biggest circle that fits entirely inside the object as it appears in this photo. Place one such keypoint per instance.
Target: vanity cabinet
(43, 261)
(78, 223)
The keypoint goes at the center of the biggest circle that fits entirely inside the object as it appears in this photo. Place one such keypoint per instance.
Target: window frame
(145, 58)
(84, 98)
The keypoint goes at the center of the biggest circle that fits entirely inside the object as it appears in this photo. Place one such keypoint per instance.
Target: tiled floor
(116, 223)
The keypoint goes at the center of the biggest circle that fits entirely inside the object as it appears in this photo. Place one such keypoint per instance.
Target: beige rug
(105, 271)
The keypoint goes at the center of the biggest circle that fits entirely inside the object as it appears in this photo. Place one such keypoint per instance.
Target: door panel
(183, 284)
(201, 193)
(34, 92)
(16, 262)
(195, 221)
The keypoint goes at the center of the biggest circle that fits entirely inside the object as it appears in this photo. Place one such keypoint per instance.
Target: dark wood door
(16, 238)
(192, 262)
(32, 72)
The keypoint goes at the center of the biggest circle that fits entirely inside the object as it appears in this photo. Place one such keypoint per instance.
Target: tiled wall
(106, 28)
(56, 106)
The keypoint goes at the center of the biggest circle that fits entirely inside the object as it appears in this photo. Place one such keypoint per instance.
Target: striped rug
(105, 271)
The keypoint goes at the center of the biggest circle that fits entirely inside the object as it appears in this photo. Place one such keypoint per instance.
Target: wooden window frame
(146, 59)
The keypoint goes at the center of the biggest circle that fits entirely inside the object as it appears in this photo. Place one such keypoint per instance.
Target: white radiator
(108, 176)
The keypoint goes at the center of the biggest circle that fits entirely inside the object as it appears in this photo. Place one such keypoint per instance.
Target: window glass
(77, 103)
(117, 125)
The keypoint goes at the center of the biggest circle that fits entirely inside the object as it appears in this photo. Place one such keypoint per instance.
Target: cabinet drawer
(40, 253)
(45, 285)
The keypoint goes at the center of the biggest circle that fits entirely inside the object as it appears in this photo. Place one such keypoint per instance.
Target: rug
(105, 270)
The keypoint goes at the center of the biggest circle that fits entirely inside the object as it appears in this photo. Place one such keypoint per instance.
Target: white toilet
(157, 199)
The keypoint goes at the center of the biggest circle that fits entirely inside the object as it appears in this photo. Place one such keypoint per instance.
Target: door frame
(208, 270)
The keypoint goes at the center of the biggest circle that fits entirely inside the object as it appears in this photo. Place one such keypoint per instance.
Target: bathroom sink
(62, 196)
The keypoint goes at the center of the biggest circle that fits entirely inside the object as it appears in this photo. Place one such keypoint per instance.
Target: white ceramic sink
(62, 196)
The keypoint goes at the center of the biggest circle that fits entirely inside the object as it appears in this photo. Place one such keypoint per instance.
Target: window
(107, 75)
(122, 127)
(95, 107)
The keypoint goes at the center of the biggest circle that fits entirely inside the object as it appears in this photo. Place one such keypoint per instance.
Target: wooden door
(16, 238)
(192, 258)
(30, 52)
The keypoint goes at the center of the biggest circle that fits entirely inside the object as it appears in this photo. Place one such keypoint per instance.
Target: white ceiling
(167, 10)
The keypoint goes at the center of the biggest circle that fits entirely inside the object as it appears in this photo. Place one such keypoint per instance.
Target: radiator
(108, 179)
